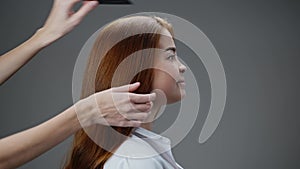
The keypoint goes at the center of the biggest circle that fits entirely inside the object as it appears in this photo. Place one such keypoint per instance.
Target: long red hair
(85, 153)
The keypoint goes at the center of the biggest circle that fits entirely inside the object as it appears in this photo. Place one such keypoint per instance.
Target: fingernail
(153, 95)
(150, 104)
(93, 3)
(138, 124)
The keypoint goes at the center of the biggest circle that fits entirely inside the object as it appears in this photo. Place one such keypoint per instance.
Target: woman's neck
(154, 111)
(147, 126)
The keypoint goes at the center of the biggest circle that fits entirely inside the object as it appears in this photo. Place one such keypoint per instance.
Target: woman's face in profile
(168, 75)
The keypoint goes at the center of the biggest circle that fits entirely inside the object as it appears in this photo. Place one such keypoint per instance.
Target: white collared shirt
(136, 153)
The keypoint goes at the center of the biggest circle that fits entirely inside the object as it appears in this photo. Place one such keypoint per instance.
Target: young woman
(139, 42)
(24, 146)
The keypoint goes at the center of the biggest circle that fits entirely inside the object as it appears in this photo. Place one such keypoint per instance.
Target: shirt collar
(152, 135)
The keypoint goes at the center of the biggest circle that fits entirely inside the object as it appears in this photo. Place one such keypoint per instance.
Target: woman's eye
(171, 57)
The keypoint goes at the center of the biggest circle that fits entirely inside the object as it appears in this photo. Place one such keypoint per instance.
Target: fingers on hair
(142, 98)
(127, 88)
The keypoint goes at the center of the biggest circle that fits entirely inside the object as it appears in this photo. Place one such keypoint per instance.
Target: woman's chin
(177, 98)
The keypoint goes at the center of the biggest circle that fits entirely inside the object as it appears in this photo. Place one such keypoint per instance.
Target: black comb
(114, 2)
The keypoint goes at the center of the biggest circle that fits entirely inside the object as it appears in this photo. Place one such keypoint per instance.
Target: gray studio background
(258, 42)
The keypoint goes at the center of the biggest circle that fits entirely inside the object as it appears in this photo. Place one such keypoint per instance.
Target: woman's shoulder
(135, 147)
(117, 162)
(134, 153)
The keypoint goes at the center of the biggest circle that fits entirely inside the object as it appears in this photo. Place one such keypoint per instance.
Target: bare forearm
(22, 147)
(98, 108)
(13, 60)
(62, 19)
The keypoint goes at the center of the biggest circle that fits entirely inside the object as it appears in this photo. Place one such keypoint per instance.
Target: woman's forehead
(166, 40)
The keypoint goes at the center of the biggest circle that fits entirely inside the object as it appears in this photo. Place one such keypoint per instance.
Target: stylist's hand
(63, 18)
(115, 107)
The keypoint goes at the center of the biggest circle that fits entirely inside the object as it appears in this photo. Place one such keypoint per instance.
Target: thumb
(128, 88)
(86, 7)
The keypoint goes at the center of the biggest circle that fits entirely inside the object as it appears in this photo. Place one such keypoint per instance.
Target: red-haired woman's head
(126, 39)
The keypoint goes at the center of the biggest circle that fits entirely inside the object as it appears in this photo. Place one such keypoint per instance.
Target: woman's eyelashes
(171, 57)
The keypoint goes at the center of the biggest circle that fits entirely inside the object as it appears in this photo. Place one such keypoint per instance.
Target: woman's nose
(182, 67)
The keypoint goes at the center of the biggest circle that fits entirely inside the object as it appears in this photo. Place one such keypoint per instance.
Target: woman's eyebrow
(173, 49)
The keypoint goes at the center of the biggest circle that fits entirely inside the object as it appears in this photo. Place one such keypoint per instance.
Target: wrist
(42, 38)
(73, 119)
(85, 111)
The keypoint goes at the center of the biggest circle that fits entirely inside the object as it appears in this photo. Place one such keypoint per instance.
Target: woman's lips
(181, 82)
